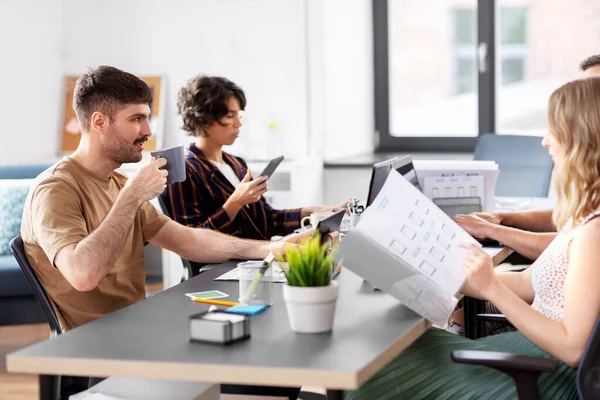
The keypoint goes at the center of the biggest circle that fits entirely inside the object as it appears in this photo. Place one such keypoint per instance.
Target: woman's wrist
(493, 291)
(232, 207)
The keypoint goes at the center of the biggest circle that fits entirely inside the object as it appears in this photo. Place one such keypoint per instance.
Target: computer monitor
(381, 170)
(404, 165)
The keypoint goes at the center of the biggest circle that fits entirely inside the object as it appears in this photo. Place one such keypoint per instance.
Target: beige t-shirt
(65, 204)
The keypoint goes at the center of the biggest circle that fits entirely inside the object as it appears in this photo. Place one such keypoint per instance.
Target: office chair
(51, 387)
(525, 370)
(192, 267)
(18, 249)
(525, 166)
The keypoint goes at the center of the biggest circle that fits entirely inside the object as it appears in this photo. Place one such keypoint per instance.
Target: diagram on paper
(412, 228)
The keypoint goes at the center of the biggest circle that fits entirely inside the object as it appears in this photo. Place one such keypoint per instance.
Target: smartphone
(271, 167)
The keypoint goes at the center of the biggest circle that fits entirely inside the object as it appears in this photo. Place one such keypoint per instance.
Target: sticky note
(247, 309)
(211, 294)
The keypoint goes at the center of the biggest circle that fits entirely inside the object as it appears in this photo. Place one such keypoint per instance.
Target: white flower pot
(310, 309)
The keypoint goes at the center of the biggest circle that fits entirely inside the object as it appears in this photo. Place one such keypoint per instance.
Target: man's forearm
(534, 221)
(101, 248)
(208, 246)
(528, 244)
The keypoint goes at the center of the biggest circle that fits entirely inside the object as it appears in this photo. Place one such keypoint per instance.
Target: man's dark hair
(590, 62)
(107, 89)
(203, 100)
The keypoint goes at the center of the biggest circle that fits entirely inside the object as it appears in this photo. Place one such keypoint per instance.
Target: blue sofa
(18, 305)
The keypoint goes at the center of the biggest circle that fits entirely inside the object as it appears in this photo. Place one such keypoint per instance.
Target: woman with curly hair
(219, 192)
(554, 304)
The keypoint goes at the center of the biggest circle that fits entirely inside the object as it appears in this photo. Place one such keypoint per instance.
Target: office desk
(498, 254)
(150, 340)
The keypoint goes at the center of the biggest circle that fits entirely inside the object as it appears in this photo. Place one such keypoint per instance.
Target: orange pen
(216, 302)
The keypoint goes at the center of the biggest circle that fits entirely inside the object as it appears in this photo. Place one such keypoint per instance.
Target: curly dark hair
(590, 62)
(203, 100)
(107, 89)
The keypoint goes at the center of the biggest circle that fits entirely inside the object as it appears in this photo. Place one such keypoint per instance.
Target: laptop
(331, 223)
(404, 166)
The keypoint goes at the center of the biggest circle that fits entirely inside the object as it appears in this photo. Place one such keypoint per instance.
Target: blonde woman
(554, 304)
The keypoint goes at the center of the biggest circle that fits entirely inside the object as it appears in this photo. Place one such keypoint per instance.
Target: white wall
(340, 55)
(259, 44)
(306, 64)
(30, 80)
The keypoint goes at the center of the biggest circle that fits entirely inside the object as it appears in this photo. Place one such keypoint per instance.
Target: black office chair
(525, 166)
(51, 387)
(18, 249)
(192, 267)
(525, 370)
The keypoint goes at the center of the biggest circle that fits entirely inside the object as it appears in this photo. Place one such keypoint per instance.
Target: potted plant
(310, 294)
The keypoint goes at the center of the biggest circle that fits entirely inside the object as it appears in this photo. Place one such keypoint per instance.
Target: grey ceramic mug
(175, 157)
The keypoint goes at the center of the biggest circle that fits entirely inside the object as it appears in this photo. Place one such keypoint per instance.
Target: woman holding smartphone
(219, 192)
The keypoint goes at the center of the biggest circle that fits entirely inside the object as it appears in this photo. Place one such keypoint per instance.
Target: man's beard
(120, 150)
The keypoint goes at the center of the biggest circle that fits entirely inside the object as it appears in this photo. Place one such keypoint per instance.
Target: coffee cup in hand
(175, 157)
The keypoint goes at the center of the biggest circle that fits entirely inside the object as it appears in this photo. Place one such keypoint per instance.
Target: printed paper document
(405, 245)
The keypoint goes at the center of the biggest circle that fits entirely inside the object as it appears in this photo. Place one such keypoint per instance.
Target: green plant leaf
(309, 264)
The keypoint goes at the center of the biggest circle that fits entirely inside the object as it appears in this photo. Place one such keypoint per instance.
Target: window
(465, 76)
(542, 44)
(513, 51)
(513, 44)
(464, 26)
(437, 87)
(513, 70)
(465, 80)
(431, 91)
(512, 25)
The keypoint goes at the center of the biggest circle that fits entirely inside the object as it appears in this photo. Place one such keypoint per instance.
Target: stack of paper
(454, 179)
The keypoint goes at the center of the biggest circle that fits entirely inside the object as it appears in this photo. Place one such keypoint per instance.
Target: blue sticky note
(247, 310)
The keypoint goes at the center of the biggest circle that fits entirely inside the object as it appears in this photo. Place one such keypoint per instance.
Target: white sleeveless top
(549, 273)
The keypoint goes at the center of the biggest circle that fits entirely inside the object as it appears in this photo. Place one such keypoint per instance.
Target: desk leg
(335, 394)
(472, 307)
(480, 325)
(48, 387)
(469, 315)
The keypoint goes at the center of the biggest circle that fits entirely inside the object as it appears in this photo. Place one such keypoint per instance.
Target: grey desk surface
(150, 340)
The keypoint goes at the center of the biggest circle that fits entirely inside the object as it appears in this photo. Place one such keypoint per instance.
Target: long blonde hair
(574, 119)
